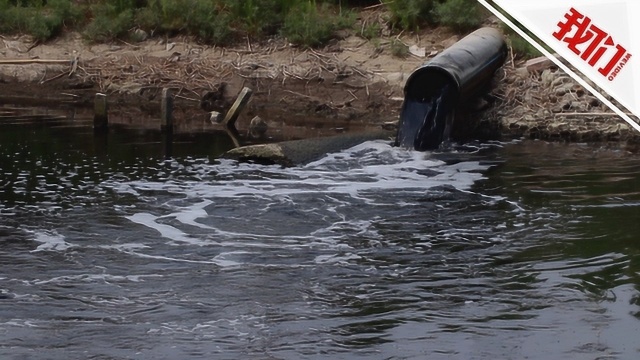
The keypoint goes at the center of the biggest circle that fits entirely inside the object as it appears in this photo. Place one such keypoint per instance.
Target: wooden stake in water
(101, 109)
(166, 110)
(229, 120)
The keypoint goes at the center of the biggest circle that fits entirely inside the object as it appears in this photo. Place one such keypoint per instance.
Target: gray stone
(522, 73)
(542, 113)
(547, 77)
(538, 64)
(257, 127)
(566, 88)
(215, 117)
(139, 35)
(297, 152)
(579, 106)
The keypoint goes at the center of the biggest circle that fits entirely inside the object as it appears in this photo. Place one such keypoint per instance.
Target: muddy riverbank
(353, 84)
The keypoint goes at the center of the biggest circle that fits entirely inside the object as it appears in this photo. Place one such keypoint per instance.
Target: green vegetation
(519, 46)
(307, 23)
(303, 22)
(111, 20)
(461, 15)
(370, 31)
(37, 18)
(410, 14)
(399, 49)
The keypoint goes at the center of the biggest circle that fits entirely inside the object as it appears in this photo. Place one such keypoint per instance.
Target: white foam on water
(126, 247)
(172, 259)
(90, 278)
(194, 212)
(50, 241)
(232, 205)
(225, 259)
(166, 231)
(18, 323)
(336, 259)
(375, 166)
(243, 326)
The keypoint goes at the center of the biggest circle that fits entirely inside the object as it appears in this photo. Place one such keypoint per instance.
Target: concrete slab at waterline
(299, 152)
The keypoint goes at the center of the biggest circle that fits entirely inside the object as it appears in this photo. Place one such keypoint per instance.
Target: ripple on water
(373, 252)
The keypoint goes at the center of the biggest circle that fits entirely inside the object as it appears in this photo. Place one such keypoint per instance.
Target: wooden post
(167, 144)
(233, 113)
(101, 109)
(234, 135)
(166, 110)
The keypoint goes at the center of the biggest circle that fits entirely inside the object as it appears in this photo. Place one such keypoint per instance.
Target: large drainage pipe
(437, 88)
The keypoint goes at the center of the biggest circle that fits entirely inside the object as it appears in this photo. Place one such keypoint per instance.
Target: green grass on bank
(307, 23)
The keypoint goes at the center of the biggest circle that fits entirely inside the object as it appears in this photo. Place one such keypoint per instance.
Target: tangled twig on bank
(199, 73)
(548, 104)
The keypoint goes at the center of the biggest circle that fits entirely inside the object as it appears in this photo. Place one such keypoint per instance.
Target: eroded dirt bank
(350, 85)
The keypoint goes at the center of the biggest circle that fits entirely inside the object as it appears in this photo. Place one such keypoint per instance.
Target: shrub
(304, 22)
(174, 14)
(110, 21)
(461, 15)
(370, 31)
(310, 25)
(208, 23)
(66, 11)
(148, 19)
(34, 18)
(10, 17)
(399, 49)
(410, 14)
(521, 48)
(202, 18)
(254, 17)
(42, 27)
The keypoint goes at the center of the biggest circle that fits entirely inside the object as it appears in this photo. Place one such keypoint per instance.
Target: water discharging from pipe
(446, 83)
(423, 123)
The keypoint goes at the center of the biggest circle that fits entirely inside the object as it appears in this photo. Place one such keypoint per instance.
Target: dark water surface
(113, 250)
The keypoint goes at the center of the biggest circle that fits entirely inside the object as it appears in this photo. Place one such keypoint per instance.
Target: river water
(116, 247)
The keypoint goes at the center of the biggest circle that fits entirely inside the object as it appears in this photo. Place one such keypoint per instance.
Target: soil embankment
(352, 84)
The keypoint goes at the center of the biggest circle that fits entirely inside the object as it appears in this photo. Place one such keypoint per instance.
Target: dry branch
(33, 61)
